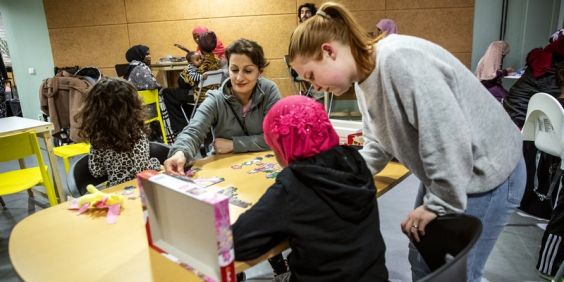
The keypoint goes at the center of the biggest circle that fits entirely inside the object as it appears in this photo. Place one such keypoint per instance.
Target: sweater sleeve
(253, 143)
(427, 91)
(263, 226)
(375, 156)
(193, 135)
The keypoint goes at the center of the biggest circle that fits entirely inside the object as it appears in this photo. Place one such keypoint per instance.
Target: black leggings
(175, 99)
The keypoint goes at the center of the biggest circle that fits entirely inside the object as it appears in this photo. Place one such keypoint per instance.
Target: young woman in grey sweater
(422, 106)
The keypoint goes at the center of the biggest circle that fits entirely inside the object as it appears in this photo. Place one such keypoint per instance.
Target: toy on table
(100, 200)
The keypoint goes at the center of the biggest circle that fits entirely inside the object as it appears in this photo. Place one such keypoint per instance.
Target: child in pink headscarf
(323, 202)
(219, 50)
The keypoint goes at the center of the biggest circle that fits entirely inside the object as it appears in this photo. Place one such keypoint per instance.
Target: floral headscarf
(297, 127)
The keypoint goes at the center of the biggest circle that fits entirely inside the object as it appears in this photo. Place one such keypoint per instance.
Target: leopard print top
(121, 167)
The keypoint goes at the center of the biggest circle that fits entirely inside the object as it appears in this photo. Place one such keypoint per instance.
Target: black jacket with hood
(325, 206)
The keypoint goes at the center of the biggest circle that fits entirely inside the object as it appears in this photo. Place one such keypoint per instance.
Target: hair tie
(323, 14)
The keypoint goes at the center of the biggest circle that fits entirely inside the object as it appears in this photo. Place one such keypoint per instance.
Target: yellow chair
(72, 150)
(152, 97)
(16, 147)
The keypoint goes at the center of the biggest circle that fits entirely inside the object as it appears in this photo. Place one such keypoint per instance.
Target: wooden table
(57, 245)
(168, 72)
(12, 125)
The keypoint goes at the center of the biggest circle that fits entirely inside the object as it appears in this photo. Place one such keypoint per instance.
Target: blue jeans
(493, 209)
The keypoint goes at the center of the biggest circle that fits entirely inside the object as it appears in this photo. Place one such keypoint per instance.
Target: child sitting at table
(323, 202)
(112, 119)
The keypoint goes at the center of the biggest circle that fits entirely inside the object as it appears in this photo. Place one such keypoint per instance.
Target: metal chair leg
(2, 203)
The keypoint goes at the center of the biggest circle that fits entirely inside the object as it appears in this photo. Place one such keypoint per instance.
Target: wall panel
(100, 46)
(450, 28)
(99, 32)
(72, 13)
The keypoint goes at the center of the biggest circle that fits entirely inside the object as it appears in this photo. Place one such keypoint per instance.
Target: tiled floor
(513, 258)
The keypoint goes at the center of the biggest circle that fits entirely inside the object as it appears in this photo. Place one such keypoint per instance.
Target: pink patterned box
(189, 225)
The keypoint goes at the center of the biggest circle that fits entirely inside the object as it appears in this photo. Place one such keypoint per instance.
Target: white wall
(28, 41)
(529, 25)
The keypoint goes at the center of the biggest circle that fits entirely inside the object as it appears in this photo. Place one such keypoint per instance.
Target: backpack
(60, 98)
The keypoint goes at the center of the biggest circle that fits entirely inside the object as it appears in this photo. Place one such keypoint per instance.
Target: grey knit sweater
(424, 107)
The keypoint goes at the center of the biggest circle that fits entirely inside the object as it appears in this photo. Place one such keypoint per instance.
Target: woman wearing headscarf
(489, 69)
(138, 72)
(387, 26)
(198, 31)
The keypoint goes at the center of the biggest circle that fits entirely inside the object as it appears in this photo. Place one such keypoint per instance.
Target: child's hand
(175, 164)
(204, 76)
(223, 146)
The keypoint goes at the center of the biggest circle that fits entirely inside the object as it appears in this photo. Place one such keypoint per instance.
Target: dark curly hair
(310, 6)
(112, 115)
(250, 48)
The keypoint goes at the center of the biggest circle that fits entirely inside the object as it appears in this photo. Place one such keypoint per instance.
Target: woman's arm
(193, 135)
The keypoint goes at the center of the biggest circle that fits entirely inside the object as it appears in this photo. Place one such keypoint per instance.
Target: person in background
(323, 202)
(218, 51)
(191, 75)
(490, 70)
(539, 76)
(138, 72)
(189, 79)
(551, 253)
(112, 117)
(421, 105)
(235, 111)
(306, 11)
(387, 27)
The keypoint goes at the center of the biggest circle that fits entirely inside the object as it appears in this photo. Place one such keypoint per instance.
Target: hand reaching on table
(175, 164)
(223, 146)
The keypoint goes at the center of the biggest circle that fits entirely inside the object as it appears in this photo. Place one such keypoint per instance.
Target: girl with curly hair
(112, 119)
(323, 202)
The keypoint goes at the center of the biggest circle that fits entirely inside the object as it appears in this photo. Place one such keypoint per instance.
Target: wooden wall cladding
(73, 13)
(97, 33)
(100, 46)
(450, 28)
(423, 4)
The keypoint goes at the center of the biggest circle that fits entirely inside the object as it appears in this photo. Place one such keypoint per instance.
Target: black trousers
(175, 99)
(542, 173)
(551, 253)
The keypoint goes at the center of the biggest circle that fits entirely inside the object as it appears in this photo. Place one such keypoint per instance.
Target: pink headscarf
(297, 127)
(490, 63)
(219, 50)
(199, 30)
(388, 26)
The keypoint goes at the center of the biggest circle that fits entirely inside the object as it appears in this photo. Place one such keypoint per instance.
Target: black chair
(159, 151)
(450, 235)
(121, 70)
(79, 175)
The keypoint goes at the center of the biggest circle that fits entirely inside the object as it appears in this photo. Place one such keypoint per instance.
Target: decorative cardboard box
(355, 139)
(189, 225)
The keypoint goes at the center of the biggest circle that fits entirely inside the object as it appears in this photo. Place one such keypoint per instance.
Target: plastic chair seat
(149, 97)
(17, 147)
(72, 150)
(19, 180)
